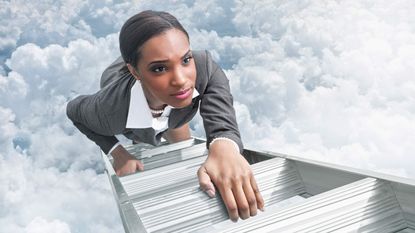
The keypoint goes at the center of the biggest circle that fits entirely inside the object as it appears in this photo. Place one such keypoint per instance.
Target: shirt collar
(139, 115)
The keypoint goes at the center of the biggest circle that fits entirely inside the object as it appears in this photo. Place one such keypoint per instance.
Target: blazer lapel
(179, 116)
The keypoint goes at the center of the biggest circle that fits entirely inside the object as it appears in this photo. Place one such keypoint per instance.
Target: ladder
(300, 195)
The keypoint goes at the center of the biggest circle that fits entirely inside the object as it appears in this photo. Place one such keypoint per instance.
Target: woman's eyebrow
(162, 61)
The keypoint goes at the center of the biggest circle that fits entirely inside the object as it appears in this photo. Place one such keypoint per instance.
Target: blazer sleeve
(86, 114)
(216, 107)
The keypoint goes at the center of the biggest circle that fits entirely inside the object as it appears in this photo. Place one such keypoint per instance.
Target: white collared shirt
(139, 114)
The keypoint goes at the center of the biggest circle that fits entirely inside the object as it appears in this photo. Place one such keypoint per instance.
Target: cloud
(59, 22)
(341, 91)
(40, 84)
(329, 81)
(8, 128)
(36, 199)
(39, 225)
(325, 80)
(46, 178)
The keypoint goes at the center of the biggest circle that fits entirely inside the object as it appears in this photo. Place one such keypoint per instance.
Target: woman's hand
(232, 175)
(124, 162)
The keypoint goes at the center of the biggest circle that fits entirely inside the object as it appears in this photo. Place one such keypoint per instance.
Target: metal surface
(407, 230)
(365, 205)
(130, 219)
(301, 195)
(185, 208)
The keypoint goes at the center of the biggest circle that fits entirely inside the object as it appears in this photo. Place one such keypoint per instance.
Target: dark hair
(140, 28)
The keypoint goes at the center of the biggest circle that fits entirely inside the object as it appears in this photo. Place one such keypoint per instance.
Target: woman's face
(167, 70)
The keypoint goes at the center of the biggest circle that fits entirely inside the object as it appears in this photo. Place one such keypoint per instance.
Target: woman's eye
(158, 69)
(187, 59)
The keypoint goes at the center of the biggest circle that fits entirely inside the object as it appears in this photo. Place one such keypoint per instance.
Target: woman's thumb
(140, 166)
(204, 182)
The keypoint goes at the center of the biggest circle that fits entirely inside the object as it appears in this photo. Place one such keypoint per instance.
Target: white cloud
(326, 80)
(342, 91)
(331, 81)
(7, 127)
(46, 178)
(37, 198)
(40, 84)
(40, 225)
(59, 22)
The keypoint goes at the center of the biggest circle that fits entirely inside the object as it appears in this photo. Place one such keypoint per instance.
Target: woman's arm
(225, 167)
(216, 107)
(179, 134)
(85, 113)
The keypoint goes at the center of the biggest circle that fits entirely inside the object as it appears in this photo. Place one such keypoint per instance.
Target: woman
(153, 91)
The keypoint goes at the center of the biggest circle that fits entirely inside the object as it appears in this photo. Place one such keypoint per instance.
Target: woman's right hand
(124, 162)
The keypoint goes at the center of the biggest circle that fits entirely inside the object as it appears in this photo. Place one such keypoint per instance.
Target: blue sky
(326, 80)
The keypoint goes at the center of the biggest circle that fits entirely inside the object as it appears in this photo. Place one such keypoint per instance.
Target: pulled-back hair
(140, 28)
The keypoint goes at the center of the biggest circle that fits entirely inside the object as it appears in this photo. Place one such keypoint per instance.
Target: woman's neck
(153, 102)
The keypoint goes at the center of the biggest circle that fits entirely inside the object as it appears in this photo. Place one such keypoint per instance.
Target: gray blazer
(102, 115)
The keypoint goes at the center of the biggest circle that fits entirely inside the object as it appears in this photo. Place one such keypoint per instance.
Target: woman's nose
(179, 78)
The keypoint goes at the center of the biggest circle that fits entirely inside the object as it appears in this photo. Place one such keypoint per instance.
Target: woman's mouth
(183, 94)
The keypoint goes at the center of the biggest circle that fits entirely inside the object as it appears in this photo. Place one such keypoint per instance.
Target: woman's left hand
(233, 177)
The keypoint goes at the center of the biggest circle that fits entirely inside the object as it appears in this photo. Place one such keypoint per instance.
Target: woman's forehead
(169, 45)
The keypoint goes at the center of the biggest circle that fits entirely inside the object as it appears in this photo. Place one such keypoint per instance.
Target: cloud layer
(325, 80)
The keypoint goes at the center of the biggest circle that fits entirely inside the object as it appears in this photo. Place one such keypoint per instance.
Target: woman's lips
(183, 94)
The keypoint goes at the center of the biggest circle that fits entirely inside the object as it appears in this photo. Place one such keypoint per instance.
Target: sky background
(326, 80)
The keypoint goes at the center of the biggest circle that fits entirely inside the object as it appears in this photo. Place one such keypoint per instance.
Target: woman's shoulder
(205, 65)
(115, 72)
(202, 57)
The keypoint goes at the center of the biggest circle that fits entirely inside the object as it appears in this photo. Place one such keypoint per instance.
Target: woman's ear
(133, 71)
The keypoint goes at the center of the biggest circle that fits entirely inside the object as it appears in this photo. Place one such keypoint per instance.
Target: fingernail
(234, 220)
(210, 193)
(262, 209)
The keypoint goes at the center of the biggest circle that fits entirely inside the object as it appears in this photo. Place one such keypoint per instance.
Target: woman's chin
(182, 104)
